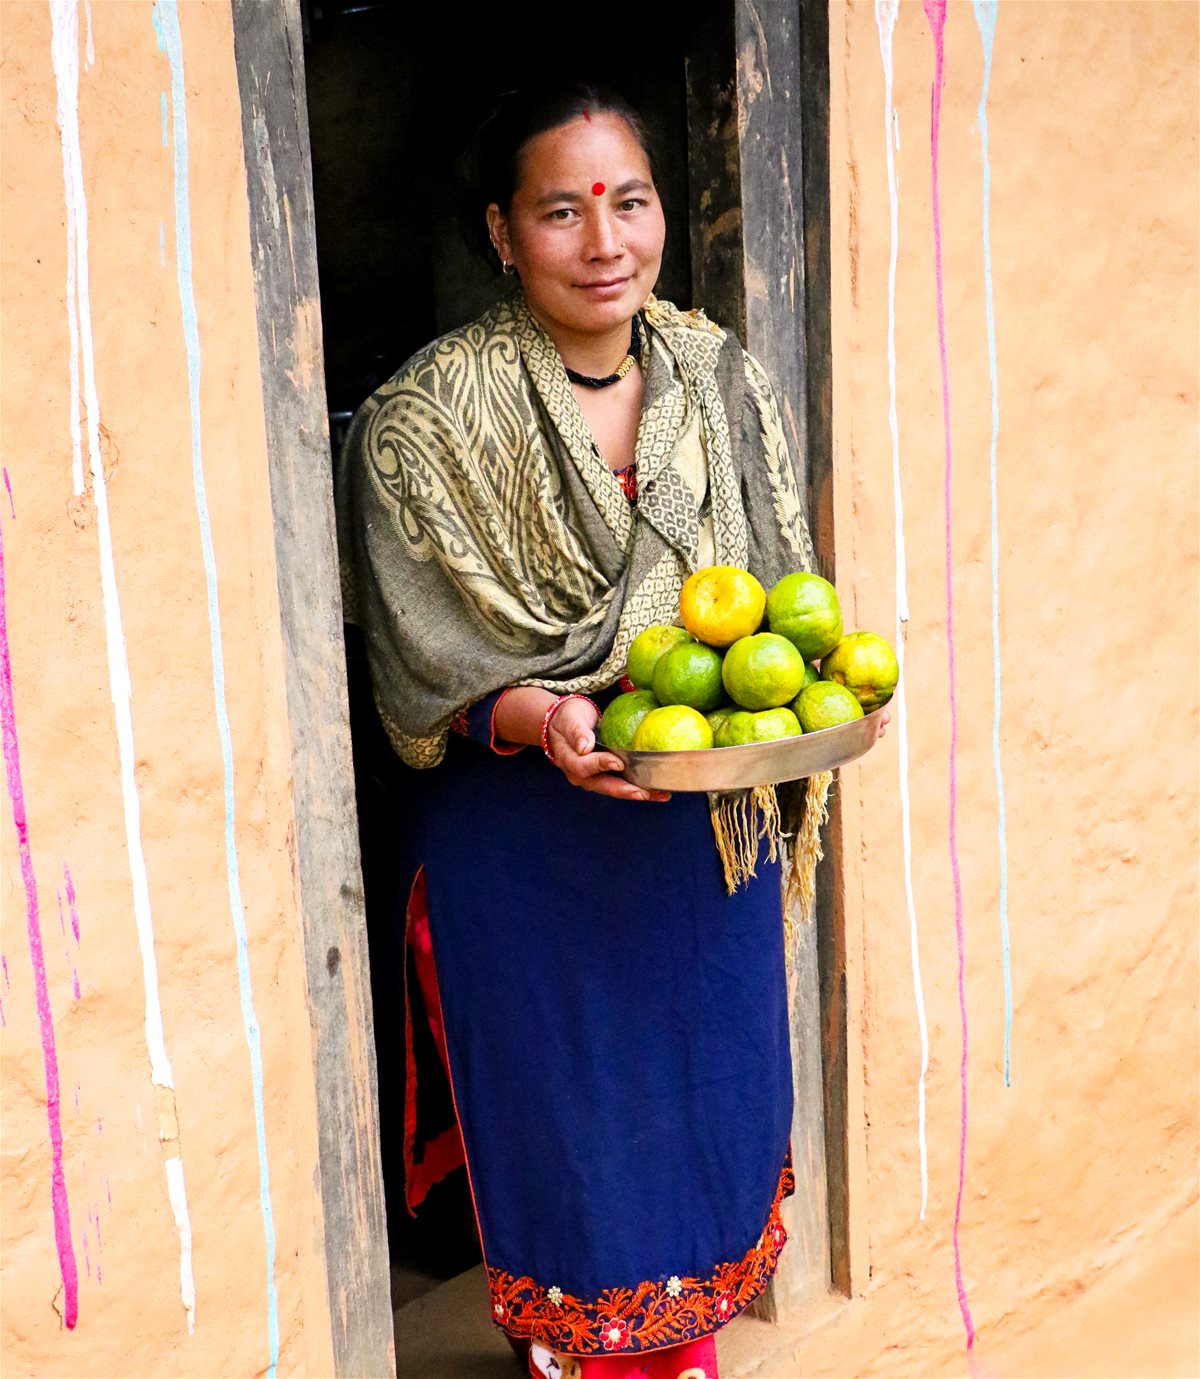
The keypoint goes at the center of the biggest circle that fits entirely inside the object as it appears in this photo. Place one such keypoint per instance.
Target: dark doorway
(394, 92)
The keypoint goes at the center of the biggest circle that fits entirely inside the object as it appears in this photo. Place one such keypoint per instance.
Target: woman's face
(585, 228)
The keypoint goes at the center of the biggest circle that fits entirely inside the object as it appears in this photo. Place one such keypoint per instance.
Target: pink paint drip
(75, 983)
(8, 486)
(62, 923)
(12, 770)
(935, 12)
(77, 1096)
(71, 901)
(86, 1259)
(4, 964)
(108, 1191)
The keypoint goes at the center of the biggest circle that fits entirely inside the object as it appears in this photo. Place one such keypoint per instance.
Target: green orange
(716, 717)
(673, 728)
(743, 728)
(825, 705)
(804, 608)
(689, 674)
(866, 664)
(620, 720)
(647, 647)
(764, 671)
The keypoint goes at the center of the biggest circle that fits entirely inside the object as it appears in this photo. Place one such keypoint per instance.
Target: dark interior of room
(395, 90)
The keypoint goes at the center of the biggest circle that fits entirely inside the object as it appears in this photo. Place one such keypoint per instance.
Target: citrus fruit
(811, 675)
(718, 716)
(804, 608)
(721, 603)
(763, 671)
(620, 720)
(767, 725)
(647, 647)
(825, 705)
(673, 728)
(866, 664)
(689, 674)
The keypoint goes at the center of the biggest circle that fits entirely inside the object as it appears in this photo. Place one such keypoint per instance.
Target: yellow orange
(721, 603)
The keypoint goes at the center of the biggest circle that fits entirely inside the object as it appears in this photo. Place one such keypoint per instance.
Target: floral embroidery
(614, 1332)
(460, 723)
(648, 1315)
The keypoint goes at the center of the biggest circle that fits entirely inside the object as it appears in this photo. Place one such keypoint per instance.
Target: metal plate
(763, 763)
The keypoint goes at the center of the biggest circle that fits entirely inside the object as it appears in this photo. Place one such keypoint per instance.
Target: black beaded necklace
(635, 348)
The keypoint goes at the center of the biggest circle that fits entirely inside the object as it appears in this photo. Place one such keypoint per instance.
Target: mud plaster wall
(123, 1236)
(1092, 1150)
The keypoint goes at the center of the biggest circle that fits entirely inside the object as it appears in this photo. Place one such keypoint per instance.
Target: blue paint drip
(167, 24)
(158, 28)
(985, 18)
(164, 116)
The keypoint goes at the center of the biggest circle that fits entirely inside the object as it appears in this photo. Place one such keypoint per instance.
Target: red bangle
(551, 711)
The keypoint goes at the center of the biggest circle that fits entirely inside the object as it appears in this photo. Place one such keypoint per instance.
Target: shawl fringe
(743, 819)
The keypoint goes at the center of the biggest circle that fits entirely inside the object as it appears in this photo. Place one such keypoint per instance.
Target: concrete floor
(447, 1333)
(1137, 1320)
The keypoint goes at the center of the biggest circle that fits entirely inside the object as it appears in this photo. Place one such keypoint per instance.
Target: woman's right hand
(571, 740)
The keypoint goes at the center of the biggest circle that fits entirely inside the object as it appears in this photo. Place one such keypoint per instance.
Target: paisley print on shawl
(485, 542)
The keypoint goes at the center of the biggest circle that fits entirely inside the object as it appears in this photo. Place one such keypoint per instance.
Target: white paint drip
(90, 51)
(64, 51)
(177, 1194)
(885, 18)
(64, 48)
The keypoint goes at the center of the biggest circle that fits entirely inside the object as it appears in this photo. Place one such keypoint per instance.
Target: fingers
(597, 764)
(618, 788)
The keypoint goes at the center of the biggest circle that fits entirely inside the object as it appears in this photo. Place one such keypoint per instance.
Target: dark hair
(490, 168)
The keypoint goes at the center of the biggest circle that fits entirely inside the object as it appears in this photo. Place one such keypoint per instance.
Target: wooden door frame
(758, 121)
(269, 53)
(759, 221)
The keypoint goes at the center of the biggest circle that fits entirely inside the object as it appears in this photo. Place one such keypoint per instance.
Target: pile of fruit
(747, 666)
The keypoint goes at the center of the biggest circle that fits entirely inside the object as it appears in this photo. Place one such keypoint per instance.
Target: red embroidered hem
(647, 1316)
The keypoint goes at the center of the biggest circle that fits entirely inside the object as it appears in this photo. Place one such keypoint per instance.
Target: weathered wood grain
(268, 48)
(750, 223)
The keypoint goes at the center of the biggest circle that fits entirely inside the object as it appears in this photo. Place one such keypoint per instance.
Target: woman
(524, 496)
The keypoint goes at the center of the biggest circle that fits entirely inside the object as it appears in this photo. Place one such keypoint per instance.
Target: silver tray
(762, 763)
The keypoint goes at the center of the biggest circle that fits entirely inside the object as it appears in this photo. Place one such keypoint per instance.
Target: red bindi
(597, 188)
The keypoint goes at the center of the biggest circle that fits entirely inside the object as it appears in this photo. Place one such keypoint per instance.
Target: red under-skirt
(694, 1360)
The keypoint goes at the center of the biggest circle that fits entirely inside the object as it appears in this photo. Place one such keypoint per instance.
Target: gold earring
(508, 269)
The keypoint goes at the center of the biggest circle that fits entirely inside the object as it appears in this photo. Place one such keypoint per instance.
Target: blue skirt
(617, 1034)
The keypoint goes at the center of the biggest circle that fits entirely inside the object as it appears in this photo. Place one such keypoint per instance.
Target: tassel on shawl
(742, 820)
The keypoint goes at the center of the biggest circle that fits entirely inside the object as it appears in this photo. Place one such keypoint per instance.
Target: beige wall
(1093, 1149)
(131, 1318)
(1078, 1168)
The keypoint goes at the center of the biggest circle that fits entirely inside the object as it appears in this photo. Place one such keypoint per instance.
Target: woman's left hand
(884, 719)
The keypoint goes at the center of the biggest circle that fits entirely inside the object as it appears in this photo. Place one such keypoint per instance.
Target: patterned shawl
(485, 542)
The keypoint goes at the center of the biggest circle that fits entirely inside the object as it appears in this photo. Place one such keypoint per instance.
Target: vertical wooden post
(756, 228)
(269, 55)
